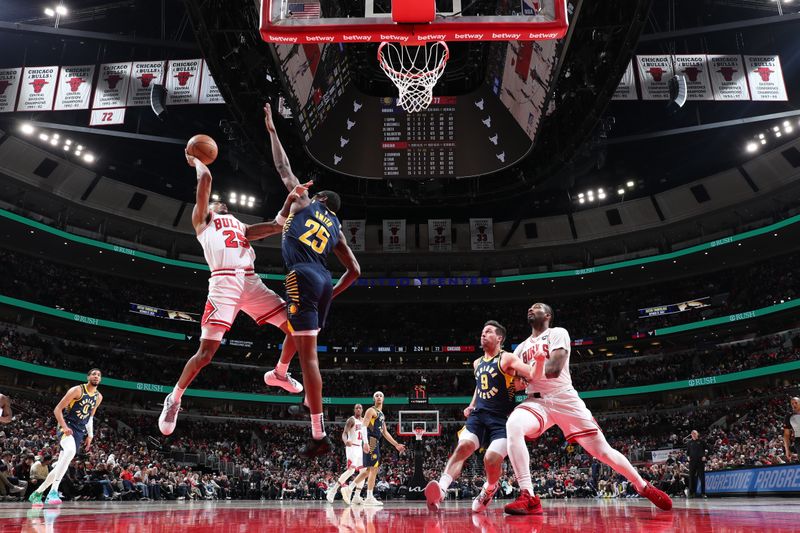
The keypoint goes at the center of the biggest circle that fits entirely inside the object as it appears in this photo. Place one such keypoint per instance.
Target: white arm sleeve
(90, 427)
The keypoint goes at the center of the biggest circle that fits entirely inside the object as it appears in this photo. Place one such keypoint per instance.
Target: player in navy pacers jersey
(75, 417)
(487, 413)
(310, 232)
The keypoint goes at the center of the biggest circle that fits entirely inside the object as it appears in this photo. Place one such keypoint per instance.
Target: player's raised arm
(5, 408)
(261, 230)
(350, 263)
(509, 361)
(200, 211)
(279, 156)
(72, 394)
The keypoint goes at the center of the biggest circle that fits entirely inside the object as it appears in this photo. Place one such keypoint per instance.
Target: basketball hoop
(414, 69)
(419, 432)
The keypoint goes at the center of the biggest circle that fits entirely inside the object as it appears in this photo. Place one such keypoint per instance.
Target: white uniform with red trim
(555, 401)
(234, 285)
(354, 452)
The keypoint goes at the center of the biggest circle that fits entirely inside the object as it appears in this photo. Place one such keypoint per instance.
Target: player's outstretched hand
(67, 431)
(468, 411)
(300, 190)
(195, 163)
(268, 118)
(401, 448)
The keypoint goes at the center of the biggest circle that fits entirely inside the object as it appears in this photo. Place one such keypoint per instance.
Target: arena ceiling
(586, 142)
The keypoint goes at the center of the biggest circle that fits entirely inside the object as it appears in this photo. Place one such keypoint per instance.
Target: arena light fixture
(79, 147)
(763, 141)
(26, 128)
(61, 9)
(215, 197)
(630, 184)
(251, 199)
(89, 158)
(68, 142)
(788, 129)
(54, 141)
(581, 201)
(50, 12)
(752, 147)
(777, 134)
(601, 196)
(43, 137)
(580, 195)
(66, 148)
(620, 191)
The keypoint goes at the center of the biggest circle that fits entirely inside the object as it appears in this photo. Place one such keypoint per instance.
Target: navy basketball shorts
(308, 290)
(487, 426)
(373, 458)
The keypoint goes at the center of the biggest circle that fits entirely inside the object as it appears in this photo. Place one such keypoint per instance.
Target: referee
(791, 430)
(696, 450)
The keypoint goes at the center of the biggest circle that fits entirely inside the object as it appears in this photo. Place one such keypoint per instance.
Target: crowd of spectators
(129, 459)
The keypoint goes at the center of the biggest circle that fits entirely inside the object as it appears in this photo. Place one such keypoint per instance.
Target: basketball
(203, 148)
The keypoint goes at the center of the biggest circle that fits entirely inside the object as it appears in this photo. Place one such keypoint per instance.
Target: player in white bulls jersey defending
(552, 400)
(354, 437)
(233, 286)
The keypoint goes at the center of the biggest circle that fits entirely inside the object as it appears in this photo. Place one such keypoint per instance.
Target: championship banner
(74, 87)
(209, 93)
(394, 235)
(626, 90)
(143, 75)
(9, 87)
(440, 236)
(654, 75)
(183, 81)
(672, 309)
(112, 85)
(728, 78)
(38, 89)
(481, 233)
(765, 77)
(698, 82)
(355, 231)
(157, 312)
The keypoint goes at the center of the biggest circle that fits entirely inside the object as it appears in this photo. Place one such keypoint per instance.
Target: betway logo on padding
(364, 38)
(469, 36)
(319, 38)
(399, 38)
(281, 39)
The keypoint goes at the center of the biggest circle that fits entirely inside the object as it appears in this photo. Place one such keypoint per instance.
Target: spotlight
(251, 200)
(777, 134)
(43, 137)
(89, 158)
(56, 136)
(760, 135)
(776, 128)
(61, 10)
(580, 195)
(79, 147)
(68, 142)
(620, 191)
(788, 129)
(752, 147)
(232, 200)
(602, 196)
(581, 201)
(786, 124)
(600, 191)
(215, 197)
(763, 141)
(49, 12)
(26, 128)
(630, 184)
(66, 148)
(54, 141)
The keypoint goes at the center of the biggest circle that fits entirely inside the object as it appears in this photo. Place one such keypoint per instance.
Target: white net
(414, 69)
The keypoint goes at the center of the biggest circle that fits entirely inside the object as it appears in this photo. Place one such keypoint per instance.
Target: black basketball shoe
(315, 447)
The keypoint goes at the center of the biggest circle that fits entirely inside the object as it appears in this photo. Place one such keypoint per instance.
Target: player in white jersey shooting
(552, 400)
(355, 442)
(232, 287)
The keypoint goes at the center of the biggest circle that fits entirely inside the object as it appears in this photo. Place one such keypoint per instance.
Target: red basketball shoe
(525, 504)
(658, 497)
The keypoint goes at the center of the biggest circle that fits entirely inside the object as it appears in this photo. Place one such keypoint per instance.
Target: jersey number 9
(484, 382)
(320, 236)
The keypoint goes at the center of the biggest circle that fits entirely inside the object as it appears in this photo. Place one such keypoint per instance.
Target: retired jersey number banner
(481, 233)
(38, 89)
(440, 235)
(143, 75)
(765, 77)
(113, 83)
(183, 81)
(9, 87)
(354, 231)
(74, 87)
(394, 235)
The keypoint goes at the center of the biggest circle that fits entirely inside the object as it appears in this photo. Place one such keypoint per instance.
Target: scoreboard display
(455, 137)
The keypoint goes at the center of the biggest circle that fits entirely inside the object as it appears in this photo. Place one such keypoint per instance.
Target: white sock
(64, 458)
(317, 426)
(177, 393)
(281, 368)
(521, 422)
(598, 447)
(47, 482)
(360, 484)
(444, 481)
(336, 486)
(369, 494)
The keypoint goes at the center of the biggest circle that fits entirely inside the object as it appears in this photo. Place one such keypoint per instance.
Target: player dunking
(492, 402)
(355, 443)
(552, 400)
(375, 422)
(233, 286)
(310, 233)
(75, 417)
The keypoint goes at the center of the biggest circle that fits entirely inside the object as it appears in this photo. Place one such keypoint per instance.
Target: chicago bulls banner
(112, 85)
(209, 93)
(626, 90)
(183, 81)
(394, 235)
(143, 75)
(695, 68)
(728, 78)
(765, 77)
(440, 236)
(354, 231)
(481, 233)
(74, 87)
(38, 89)
(9, 86)
(654, 75)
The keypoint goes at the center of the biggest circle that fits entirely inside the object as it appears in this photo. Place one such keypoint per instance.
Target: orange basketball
(203, 148)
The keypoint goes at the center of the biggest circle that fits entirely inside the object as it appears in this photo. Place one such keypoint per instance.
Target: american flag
(307, 10)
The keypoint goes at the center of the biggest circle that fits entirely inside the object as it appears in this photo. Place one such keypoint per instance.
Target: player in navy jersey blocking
(310, 233)
(492, 402)
(75, 417)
